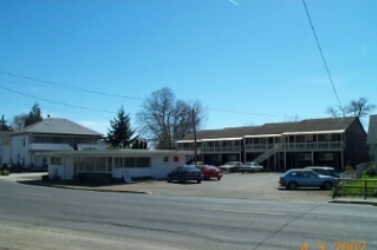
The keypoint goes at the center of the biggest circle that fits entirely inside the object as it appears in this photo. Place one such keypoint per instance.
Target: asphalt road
(33, 217)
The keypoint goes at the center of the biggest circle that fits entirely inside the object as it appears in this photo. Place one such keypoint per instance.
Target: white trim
(185, 141)
(262, 135)
(223, 139)
(127, 152)
(316, 132)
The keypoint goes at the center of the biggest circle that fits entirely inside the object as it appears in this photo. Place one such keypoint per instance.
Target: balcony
(222, 149)
(303, 146)
(49, 147)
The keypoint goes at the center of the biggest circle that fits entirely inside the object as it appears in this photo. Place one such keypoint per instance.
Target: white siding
(19, 150)
(160, 169)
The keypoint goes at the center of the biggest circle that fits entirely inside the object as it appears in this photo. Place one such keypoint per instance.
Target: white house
(112, 163)
(29, 146)
(5, 150)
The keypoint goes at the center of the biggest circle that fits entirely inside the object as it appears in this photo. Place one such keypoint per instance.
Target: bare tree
(357, 108)
(163, 119)
(360, 107)
(19, 121)
(336, 112)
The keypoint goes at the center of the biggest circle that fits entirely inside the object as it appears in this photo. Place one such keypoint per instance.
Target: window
(57, 140)
(118, 162)
(326, 156)
(129, 162)
(166, 158)
(304, 156)
(56, 161)
(100, 164)
(109, 163)
(300, 138)
(89, 164)
(143, 162)
(324, 137)
(176, 158)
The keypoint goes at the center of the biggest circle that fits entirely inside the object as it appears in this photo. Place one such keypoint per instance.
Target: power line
(73, 88)
(321, 52)
(56, 102)
(69, 86)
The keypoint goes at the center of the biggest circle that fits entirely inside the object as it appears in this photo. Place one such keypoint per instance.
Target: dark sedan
(185, 173)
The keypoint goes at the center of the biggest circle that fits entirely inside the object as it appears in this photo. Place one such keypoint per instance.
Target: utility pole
(195, 147)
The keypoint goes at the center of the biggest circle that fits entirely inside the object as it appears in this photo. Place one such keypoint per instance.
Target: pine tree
(34, 115)
(120, 134)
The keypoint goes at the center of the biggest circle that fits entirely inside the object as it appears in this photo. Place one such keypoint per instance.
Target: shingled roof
(372, 130)
(271, 129)
(58, 126)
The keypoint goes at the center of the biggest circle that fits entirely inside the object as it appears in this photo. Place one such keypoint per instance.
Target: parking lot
(235, 185)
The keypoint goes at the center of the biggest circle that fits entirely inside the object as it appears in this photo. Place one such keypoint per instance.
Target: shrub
(370, 171)
(4, 172)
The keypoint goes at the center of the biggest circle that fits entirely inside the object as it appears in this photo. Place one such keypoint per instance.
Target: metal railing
(355, 187)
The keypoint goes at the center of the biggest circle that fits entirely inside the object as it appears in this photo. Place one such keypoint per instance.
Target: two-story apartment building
(280, 146)
(29, 146)
(372, 138)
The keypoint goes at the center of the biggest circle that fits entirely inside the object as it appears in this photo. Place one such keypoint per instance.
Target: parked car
(323, 170)
(295, 178)
(185, 173)
(251, 166)
(231, 166)
(209, 172)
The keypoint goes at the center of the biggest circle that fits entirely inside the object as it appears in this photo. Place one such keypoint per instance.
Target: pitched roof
(58, 126)
(274, 129)
(372, 130)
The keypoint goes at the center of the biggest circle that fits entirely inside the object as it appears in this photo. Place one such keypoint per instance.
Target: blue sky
(249, 62)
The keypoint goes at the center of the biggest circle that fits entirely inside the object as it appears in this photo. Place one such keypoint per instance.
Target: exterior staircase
(267, 154)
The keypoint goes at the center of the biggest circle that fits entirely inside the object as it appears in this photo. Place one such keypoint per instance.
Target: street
(34, 217)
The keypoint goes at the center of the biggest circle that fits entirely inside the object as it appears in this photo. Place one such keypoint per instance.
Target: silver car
(251, 166)
(295, 178)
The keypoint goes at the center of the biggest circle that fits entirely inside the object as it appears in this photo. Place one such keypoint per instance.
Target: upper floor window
(300, 138)
(324, 137)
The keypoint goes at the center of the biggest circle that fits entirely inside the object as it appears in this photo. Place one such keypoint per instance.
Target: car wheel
(169, 179)
(292, 185)
(182, 180)
(199, 181)
(219, 178)
(327, 185)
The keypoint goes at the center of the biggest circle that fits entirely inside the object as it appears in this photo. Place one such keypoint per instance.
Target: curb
(359, 202)
(87, 189)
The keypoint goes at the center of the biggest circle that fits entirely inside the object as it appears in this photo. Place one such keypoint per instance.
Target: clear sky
(248, 61)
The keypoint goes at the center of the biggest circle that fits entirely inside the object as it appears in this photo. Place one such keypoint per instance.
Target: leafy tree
(165, 120)
(357, 108)
(34, 115)
(3, 124)
(120, 134)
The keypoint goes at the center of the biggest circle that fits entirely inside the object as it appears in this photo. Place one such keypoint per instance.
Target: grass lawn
(357, 188)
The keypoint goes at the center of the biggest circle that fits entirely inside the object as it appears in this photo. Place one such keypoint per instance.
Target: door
(68, 168)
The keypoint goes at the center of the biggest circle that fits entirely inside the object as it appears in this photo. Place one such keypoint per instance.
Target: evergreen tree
(120, 134)
(3, 124)
(34, 115)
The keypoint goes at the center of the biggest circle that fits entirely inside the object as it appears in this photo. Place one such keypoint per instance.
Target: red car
(209, 172)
